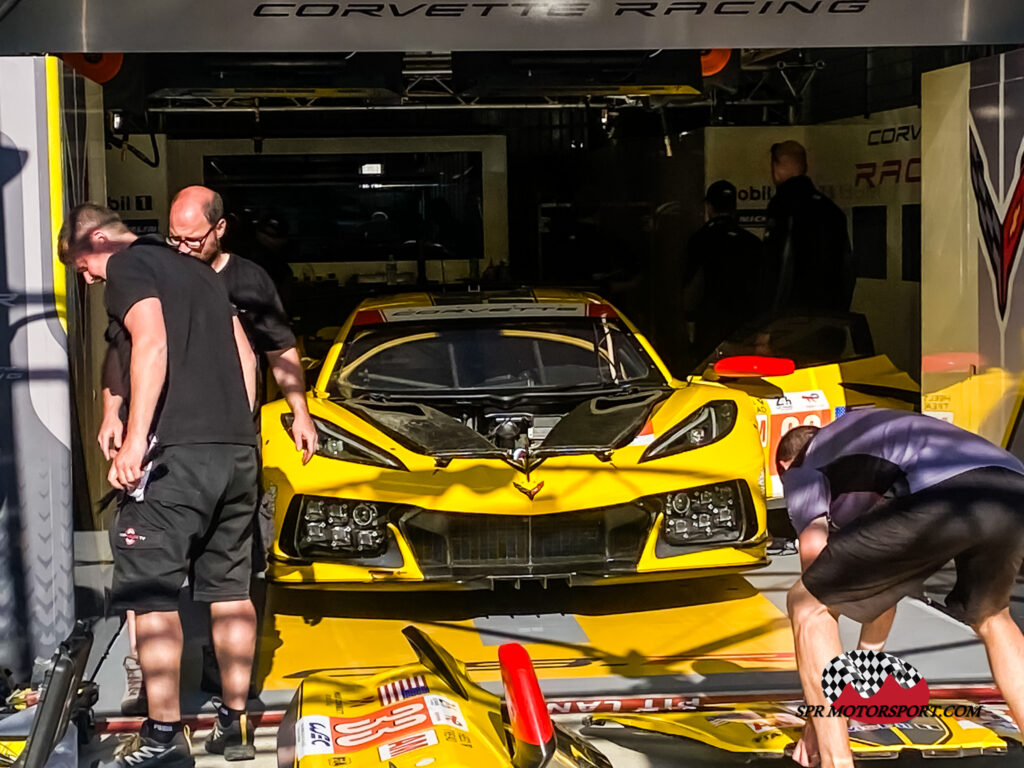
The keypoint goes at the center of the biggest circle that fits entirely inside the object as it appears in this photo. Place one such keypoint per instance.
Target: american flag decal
(408, 744)
(392, 693)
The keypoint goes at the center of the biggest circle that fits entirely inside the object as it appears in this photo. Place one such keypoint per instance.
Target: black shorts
(975, 519)
(195, 520)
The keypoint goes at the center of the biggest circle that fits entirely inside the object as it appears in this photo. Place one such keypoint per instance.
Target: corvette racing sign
(481, 25)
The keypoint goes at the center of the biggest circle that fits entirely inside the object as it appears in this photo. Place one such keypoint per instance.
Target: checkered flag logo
(867, 672)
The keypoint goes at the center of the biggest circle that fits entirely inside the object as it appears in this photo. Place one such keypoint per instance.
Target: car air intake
(451, 545)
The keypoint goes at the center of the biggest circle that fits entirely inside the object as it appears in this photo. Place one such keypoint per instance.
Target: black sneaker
(235, 741)
(143, 752)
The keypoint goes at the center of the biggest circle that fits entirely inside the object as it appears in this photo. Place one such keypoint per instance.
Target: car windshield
(805, 339)
(467, 356)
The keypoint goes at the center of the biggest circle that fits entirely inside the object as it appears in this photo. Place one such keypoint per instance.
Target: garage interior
(353, 174)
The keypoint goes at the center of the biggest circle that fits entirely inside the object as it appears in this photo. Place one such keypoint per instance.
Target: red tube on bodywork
(527, 710)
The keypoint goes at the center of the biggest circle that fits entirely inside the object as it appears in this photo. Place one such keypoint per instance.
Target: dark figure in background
(807, 246)
(729, 258)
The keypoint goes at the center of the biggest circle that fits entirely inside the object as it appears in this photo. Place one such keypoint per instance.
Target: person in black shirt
(197, 226)
(187, 467)
(729, 259)
(807, 245)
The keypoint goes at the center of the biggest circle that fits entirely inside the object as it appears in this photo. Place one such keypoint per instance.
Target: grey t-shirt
(865, 456)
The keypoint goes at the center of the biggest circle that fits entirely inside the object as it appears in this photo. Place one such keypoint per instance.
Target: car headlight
(708, 424)
(337, 443)
(710, 513)
(330, 526)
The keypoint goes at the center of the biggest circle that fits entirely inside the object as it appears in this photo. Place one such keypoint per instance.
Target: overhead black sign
(65, 26)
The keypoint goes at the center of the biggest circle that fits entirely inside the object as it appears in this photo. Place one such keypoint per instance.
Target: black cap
(721, 196)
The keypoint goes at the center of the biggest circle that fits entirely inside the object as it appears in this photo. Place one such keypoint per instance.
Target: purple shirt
(867, 455)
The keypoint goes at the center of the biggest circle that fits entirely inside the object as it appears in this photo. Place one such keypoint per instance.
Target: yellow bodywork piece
(10, 749)
(816, 395)
(771, 728)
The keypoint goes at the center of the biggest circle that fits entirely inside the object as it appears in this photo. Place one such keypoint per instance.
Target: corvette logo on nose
(529, 492)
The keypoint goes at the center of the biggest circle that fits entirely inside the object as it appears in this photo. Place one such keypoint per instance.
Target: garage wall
(871, 168)
(973, 216)
(142, 194)
(36, 589)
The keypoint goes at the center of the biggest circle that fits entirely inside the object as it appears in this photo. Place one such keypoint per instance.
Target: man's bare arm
(873, 634)
(813, 539)
(111, 433)
(291, 378)
(148, 372)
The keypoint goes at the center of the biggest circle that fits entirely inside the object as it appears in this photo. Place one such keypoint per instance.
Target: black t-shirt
(730, 258)
(204, 398)
(809, 248)
(259, 307)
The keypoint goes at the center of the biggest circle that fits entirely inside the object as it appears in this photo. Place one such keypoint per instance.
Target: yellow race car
(807, 369)
(472, 438)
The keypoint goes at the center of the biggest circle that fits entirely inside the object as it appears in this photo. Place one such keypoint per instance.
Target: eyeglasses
(192, 243)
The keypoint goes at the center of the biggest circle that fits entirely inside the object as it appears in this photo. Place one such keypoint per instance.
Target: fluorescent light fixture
(371, 169)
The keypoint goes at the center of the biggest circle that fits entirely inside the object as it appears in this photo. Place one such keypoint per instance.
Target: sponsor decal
(645, 436)
(131, 538)
(530, 493)
(393, 724)
(946, 416)
(794, 409)
(352, 734)
(444, 711)
(627, 704)
(408, 744)
(392, 693)
(313, 736)
(458, 738)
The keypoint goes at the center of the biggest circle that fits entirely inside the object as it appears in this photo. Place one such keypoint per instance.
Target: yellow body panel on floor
(770, 728)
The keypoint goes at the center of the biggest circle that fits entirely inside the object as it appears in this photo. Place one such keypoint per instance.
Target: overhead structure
(253, 26)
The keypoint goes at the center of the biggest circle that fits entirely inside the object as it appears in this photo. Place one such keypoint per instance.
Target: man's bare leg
(874, 634)
(160, 643)
(233, 627)
(816, 640)
(1004, 645)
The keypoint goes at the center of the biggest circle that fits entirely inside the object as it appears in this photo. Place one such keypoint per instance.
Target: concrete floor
(943, 650)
